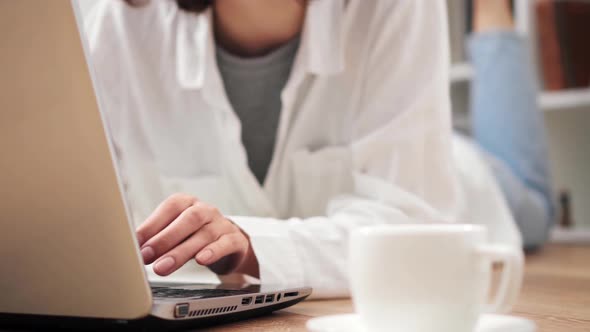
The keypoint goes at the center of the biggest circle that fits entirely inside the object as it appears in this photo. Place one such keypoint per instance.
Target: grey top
(253, 87)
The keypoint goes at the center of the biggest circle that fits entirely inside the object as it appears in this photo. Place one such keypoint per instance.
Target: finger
(165, 213)
(179, 255)
(188, 222)
(226, 245)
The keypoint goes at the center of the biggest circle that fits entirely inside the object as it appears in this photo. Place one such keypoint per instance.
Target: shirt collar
(321, 45)
(323, 37)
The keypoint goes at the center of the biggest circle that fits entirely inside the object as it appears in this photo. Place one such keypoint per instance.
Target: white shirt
(364, 136)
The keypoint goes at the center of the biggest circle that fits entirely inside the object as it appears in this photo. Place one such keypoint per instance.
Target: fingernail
(147, 253)
(139, 238)
(164, 265)
(204, 256)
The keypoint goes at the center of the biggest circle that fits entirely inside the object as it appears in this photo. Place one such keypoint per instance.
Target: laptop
(67, 246)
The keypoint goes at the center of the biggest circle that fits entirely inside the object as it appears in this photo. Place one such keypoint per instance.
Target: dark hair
(193, 6)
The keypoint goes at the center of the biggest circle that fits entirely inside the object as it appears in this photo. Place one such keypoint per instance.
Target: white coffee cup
(429, 277)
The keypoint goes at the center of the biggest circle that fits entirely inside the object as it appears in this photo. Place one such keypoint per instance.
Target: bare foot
(492, 15)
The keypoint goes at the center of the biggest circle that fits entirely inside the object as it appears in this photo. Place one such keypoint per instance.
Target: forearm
(314, 251)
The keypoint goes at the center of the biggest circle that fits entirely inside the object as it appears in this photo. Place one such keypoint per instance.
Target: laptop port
(181, 310)
(259, 299)
(270, 298)
(246, 300)
(291, 294)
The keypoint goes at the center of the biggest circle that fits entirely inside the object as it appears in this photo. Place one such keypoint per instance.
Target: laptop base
(20, 322)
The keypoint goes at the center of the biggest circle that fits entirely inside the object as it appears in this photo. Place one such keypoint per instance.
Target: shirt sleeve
(401, 163)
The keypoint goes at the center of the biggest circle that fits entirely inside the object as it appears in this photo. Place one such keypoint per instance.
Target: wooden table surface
(555, 294)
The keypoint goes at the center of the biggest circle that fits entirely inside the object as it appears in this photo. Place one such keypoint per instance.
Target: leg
(506, 120)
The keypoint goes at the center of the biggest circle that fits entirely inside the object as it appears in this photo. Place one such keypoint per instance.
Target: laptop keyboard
(176, 293)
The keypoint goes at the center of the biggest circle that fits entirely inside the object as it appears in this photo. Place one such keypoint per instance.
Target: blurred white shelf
(570, 235)
(565, 99)
(461, 72)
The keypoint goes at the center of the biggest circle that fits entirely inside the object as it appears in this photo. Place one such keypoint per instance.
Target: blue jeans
(508, 125)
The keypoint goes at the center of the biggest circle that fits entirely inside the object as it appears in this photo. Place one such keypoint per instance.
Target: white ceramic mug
(429, 277)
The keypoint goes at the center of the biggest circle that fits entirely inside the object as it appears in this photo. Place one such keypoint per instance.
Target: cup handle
(511, 277)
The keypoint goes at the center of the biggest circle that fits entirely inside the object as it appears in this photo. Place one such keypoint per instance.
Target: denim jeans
(508, 125)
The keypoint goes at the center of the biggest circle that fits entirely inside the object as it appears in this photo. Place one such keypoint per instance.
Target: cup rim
(438, 228)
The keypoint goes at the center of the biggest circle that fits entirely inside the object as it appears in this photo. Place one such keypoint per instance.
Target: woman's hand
(182, 228)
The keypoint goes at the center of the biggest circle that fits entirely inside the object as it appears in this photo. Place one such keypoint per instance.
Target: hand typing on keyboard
(182, 228)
